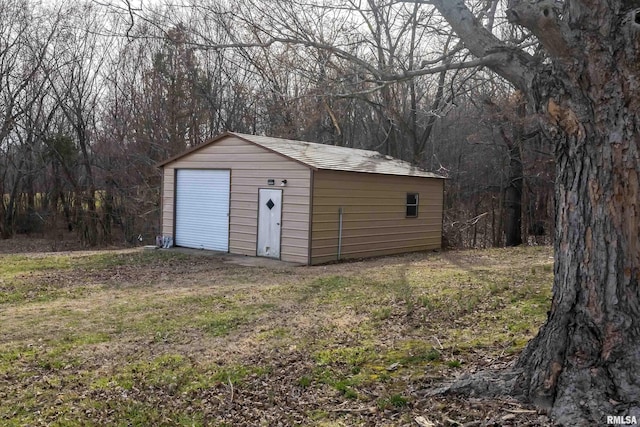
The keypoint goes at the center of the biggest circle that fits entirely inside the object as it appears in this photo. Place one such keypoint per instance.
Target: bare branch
(518, 66)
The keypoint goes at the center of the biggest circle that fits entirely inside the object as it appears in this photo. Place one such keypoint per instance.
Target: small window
(412, 205)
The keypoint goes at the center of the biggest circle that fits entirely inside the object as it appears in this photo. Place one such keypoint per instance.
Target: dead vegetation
(165, 338)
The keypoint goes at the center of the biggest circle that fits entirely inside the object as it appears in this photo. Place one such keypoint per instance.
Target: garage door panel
(202, 209)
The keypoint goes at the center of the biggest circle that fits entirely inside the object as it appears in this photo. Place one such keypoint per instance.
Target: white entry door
(269, 219)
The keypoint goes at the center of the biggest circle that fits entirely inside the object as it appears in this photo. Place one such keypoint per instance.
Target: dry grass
(163, 338)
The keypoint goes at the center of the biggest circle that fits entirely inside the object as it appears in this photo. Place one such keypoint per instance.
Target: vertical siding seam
(282, 198)
(442, 215)
(310, 236)
(161, 228)
(173, 203)
(229, 211)
(257, 195)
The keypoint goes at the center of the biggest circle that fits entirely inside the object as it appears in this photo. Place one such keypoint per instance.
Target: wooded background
(93, 95)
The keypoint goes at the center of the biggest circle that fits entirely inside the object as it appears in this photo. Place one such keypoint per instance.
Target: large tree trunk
(586, 358)
(585, 362)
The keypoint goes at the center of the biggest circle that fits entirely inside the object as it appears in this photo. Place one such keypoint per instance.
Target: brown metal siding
(168, 192)
(374, 221)
(251, 166)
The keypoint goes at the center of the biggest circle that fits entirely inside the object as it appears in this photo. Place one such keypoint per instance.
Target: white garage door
(202, 209)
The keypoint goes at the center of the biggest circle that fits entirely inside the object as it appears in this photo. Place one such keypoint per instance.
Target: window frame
(415, 205)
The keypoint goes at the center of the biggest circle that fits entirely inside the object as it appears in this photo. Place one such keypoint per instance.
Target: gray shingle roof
(331, 157)
(322, 156)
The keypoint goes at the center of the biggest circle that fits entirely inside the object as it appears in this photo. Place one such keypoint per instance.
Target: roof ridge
(299, 141)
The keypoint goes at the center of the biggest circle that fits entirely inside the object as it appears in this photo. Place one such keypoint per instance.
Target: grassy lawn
(163, 338)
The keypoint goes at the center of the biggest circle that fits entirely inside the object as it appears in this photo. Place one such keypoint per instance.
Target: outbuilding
(298, 201)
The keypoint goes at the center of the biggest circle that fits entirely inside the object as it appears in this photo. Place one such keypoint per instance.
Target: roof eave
(224, 135)
(404, 175)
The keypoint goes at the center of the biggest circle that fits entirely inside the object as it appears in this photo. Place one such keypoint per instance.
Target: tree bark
(585, 360)
(584, 363)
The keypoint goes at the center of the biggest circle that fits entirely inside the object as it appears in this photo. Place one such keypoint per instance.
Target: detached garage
(298, 201)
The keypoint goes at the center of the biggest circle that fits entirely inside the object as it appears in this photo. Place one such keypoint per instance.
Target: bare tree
(25, 37)
(77, 87)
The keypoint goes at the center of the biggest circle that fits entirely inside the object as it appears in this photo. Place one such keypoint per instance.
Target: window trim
(415, 205)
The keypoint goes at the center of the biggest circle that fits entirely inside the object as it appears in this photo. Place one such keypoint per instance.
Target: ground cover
(167, 338)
